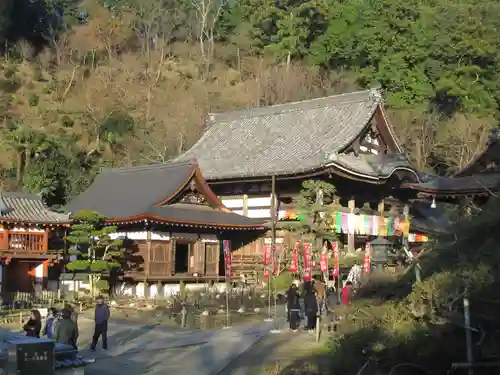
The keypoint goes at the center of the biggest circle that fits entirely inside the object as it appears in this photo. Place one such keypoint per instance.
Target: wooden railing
(23, 242)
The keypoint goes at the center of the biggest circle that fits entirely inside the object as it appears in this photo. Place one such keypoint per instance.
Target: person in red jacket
(347, 293)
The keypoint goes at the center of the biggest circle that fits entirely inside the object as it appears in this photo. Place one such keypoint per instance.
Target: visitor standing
(311, 307)
(74, 319)
(347, 291)
(65, 331)
(293, 307)
(48, 330)
(34, 324)
(101, 318)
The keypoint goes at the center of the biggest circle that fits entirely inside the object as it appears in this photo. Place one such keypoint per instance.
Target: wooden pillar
(273, 242)
(45, 244)
(406, 243)
(381, 208)
(351, 239)
(245, 205)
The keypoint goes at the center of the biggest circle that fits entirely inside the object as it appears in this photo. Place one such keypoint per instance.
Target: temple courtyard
(154, 349)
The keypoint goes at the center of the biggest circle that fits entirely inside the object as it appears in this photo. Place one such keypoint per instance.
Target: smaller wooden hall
(170, 217)
(31, 244)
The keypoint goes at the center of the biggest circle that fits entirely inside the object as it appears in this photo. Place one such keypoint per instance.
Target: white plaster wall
(164, 236)
(236, 205)
(152, 290)
(39, 272)
(71, 286)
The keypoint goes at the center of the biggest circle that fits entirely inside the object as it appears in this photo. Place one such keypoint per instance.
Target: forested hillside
(92, 83)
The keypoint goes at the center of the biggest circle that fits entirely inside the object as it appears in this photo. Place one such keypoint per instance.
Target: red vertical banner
(367, 260)
(228, 259)
(294, 267)
(335, 248)
(323, 261)
(267, 260)
(307, 261)
(275, 259)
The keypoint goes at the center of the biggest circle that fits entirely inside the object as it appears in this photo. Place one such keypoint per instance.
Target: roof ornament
(331, 156)
(376, 93)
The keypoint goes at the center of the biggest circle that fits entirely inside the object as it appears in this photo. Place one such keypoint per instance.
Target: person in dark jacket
(48, 330)
(74, 318)
(65, 329)
(293, 307)
(34, 324)
(311, 307)
(101, 318)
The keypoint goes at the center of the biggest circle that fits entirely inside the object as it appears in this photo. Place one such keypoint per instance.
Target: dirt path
(275, 353)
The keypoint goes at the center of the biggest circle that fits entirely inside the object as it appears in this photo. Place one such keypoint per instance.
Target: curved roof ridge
(148, 167)
(480, 159)
(296, 106)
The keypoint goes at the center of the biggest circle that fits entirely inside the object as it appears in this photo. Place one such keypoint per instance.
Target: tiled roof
(479, 183)
(376, 166)
(282, 139)
(203, 217)
(124, 192)
(136, 192)
(28, 208)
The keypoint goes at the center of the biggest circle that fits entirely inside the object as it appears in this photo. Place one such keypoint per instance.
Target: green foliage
(282, 281)
(98, 253)
(33, 100)
(314, 195)
(394, 320)
(37, 74)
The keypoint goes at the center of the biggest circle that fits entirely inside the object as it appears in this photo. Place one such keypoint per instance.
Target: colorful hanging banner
(228, 259)
(307, 261)
(367, 260)
(375, 225)
(338, 222)
(335, 248)
(405, 228)
(294, 267)
(267, 260)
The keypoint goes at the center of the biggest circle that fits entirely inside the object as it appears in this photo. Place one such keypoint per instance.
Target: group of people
(314, 301)
(62, 325)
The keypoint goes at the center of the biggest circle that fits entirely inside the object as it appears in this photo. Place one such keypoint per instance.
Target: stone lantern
(380, 248)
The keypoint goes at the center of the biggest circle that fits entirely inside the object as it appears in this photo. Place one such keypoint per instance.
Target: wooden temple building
(31, 244)
(172, 219)
(256, 161)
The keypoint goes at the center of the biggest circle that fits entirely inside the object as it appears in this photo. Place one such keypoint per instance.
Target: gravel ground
(276, 352)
